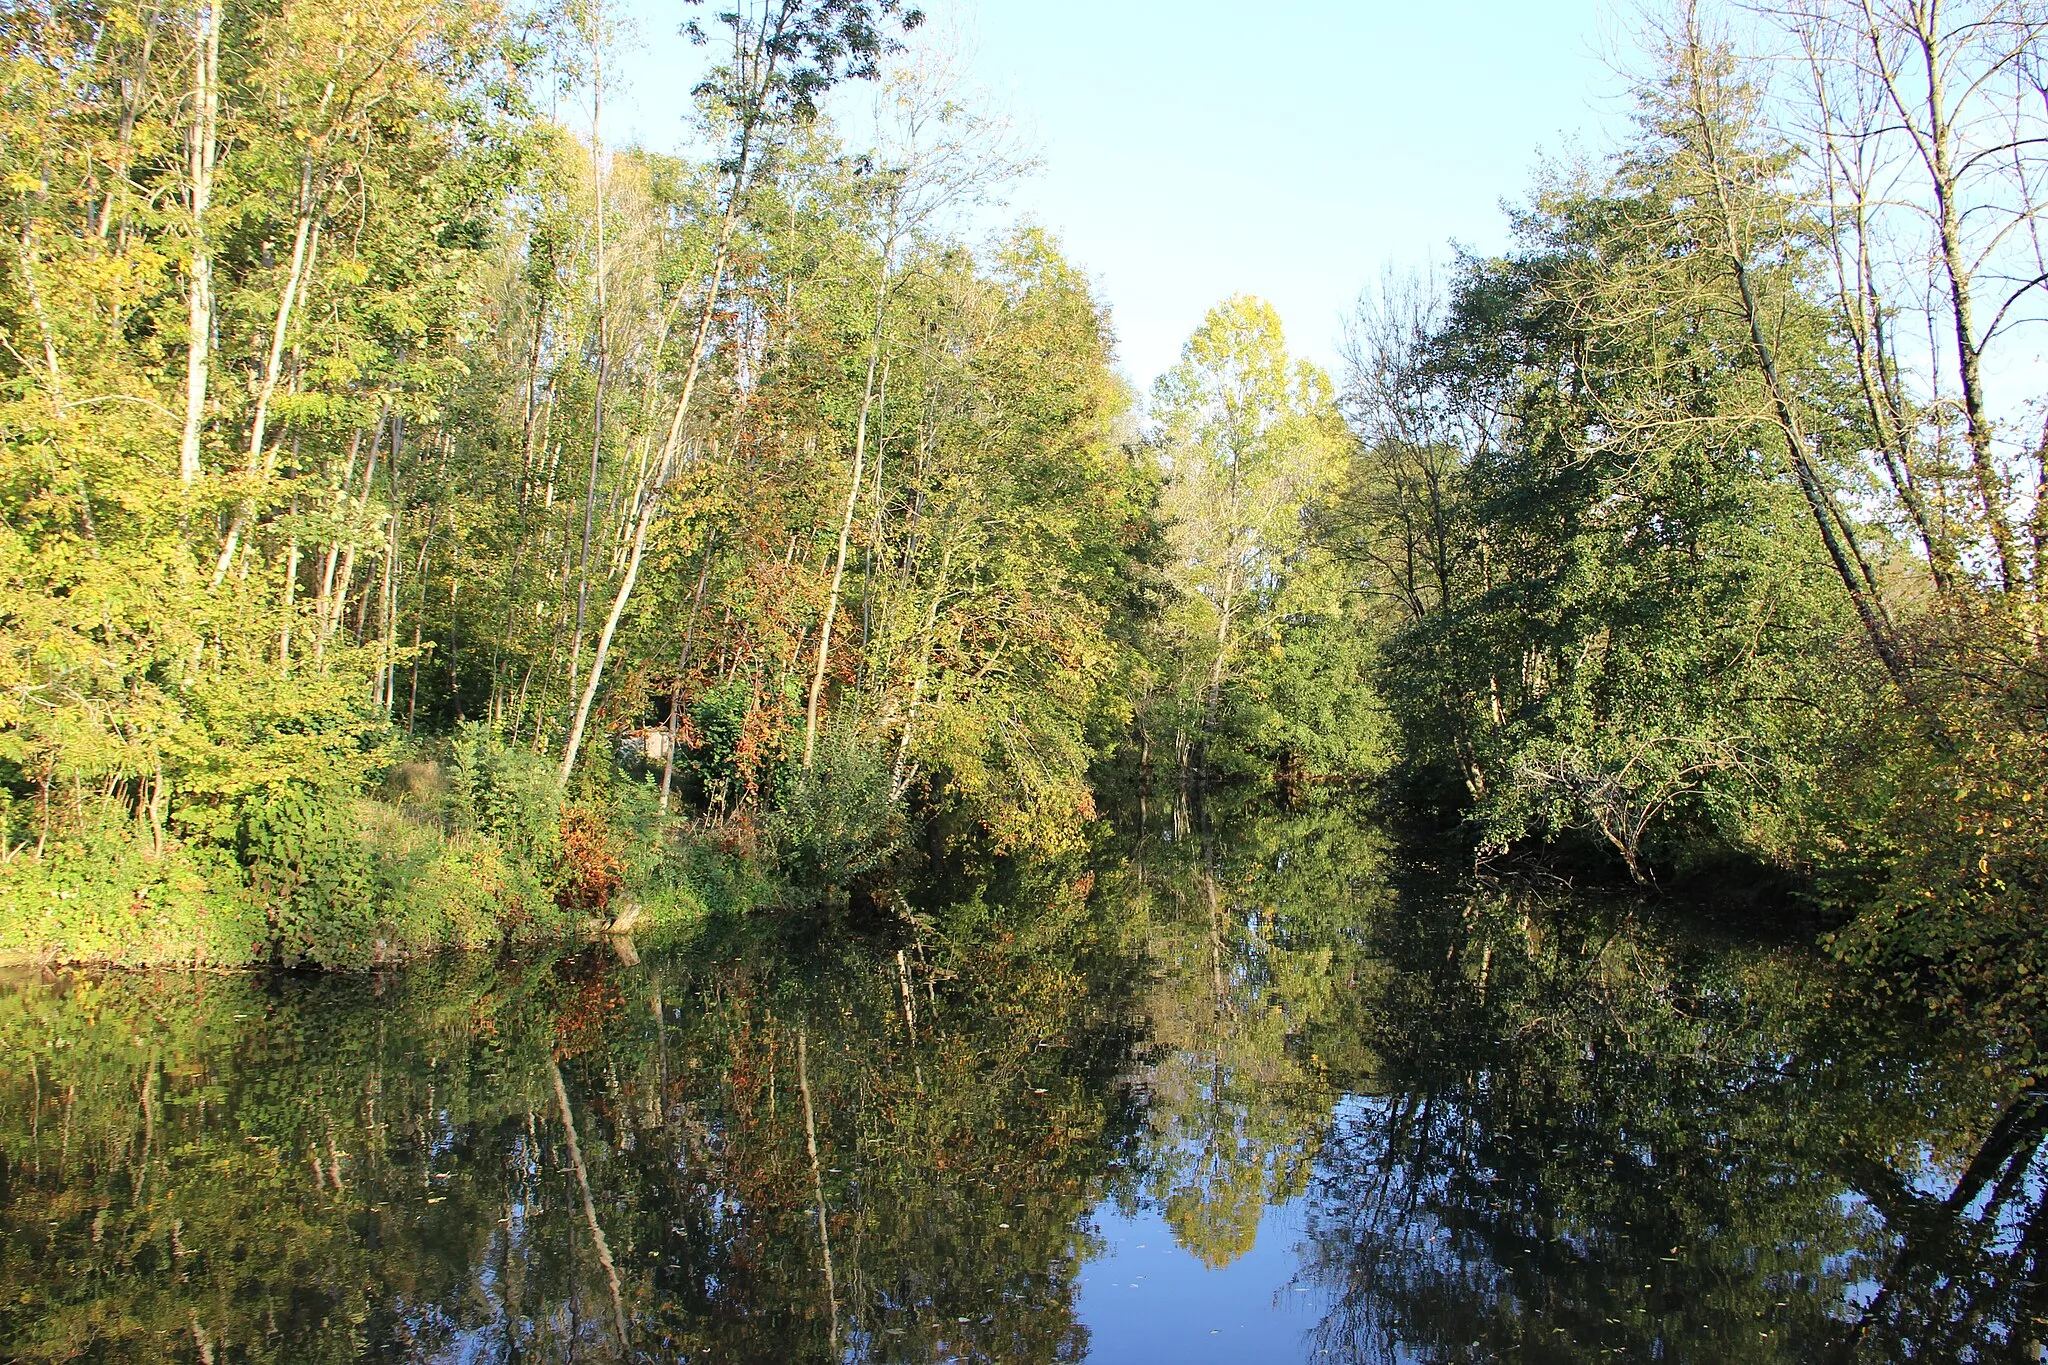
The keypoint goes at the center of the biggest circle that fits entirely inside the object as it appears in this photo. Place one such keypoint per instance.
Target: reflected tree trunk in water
(909, 1015)
(140, 1175)
(1220, 996)
(604, 1253)
(803, 1081)
(659, 1103)
(1957, 1253)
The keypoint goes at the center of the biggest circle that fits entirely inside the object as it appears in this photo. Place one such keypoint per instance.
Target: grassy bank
(465, 844)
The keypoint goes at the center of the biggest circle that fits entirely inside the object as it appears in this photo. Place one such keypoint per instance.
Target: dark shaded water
(1272, 1098)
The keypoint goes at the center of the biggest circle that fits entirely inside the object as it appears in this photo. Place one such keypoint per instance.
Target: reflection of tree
(1583, 1135)
(1233, 1119)
(1568, 1130)
(1970, 1275)
(502, 1162)
(1236, 1105)
(1524, 1127)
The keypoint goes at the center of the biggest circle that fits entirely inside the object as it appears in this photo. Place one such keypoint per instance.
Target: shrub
(309, 871)
(588, 874)
(715, 868)
(733, 745)
(1957, 919)
(839, 821)
(437, 890)
(109, 896)
(506, 792)
(469, 896)
(415, 782)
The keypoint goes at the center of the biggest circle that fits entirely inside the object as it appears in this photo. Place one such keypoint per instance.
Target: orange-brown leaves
(590, 872)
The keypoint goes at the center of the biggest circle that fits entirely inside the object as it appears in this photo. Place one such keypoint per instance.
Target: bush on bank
(466, 844)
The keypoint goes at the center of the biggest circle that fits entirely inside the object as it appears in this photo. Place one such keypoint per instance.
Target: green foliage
(839, 820)
(1249, 438)
(438, 890)
(716, 761)
(1308, 707)
(310, 872)
(1954, 919)
(505, 792)
(1640, 641)
(717, 870)
(498, 435)
(1669, 537)
(104, 894)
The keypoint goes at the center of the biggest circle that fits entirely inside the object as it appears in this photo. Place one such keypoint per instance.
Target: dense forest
(546, 489)
(429, 522)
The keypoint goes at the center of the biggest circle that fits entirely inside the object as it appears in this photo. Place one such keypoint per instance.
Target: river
(1276, 1094)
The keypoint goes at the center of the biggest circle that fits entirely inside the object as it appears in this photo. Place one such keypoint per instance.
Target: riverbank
(411, 893)
(473, 850)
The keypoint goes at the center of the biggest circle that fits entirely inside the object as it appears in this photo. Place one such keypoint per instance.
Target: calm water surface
(1272, 1096)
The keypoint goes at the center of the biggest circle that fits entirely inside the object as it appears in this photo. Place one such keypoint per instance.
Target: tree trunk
(26, 247)
(134, 95)
(332, 553)
(611, 625)
(899, 774)
(675, 692)
(1213, 702)
(603, 371)
(305, 246)
(1933, 144)
(1836, 535)
(673, 442)
(1977, 423)
(1864, 309)
(2039, 530)
(418, 620)
(202, 148)
(291, 584)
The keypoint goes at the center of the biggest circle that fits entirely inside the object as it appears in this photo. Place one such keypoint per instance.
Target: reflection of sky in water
(1146, 1300)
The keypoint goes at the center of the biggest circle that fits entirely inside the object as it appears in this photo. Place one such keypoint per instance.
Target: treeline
(1705, 529)
(427, 522)
(365, 423)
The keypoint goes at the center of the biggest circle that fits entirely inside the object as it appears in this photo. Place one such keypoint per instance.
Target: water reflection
(1272, 1071)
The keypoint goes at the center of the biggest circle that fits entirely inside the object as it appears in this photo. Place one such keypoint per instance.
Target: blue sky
(1195, 149)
